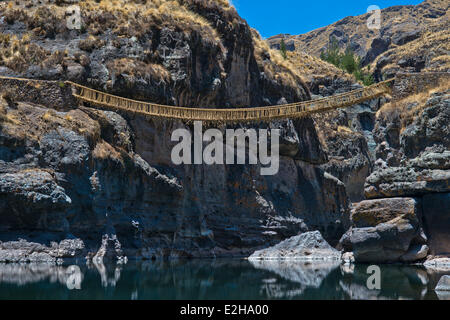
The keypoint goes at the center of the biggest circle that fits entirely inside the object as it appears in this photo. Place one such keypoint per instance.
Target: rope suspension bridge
(43, 92)
(292, 110)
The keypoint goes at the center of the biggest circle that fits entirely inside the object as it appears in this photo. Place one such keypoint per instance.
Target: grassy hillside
(404, 28)
(202, 48)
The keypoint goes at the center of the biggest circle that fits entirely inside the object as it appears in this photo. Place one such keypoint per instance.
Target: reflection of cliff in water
(211, 279)
(300, 276)
(23, 274)
(397, 283)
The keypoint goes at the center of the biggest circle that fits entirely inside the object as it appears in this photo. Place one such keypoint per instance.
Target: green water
(207, 279)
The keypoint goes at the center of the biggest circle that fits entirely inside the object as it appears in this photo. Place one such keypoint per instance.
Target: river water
(213, 279)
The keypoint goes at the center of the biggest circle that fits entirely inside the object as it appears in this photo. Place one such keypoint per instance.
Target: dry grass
(274, 65)
(13, 123)
(3, 111)
(124, 17)
(45, 20)
(18, 54)
(343, 129)
(439, 64)
(31, 123)
(307, 64)
(298, 67)
(75, 120)
(138, 69)
(104, 150)
(49, 116)
(129, 18)
(5, 116)
(91, 43)
(433, 45)
(355, 27)
(315, 68)
(409, 108)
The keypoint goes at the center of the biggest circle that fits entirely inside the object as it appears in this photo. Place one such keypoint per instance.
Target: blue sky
(271, 17)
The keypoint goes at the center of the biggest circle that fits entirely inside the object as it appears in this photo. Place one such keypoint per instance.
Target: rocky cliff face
(410, 218)
(78, 182)
(84, 175)
(411, 39)
(349, 142)
(80, 175)
(398, 155)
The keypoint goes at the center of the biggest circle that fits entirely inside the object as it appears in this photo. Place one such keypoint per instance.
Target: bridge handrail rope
(292, 110)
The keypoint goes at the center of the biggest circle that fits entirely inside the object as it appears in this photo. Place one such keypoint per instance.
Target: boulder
(370, 213)
(307, 246)
(415, 253)
(386, 230)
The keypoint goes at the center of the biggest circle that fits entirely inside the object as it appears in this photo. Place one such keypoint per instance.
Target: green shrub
(347, 61)
(283, 49)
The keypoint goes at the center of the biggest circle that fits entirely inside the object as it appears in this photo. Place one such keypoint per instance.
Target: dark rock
(383, 61)
(430, 129)
(33, 199)
(350, 145)
(436, 216)
(404, 181)
(94, 171)
(413, 160)
(310, 149)
(289, 139)
(405, 37)
(378, 46)
(386, 230)
(275, 44)
(415, 253)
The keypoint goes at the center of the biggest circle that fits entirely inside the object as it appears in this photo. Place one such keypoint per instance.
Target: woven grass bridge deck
(287, 111)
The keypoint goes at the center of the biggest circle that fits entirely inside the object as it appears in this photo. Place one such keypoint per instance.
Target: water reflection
(23, 274)
(303, 274)
(107, 277)
(218, 279)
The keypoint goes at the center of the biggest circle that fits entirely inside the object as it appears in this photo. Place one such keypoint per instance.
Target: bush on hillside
(347, 61)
